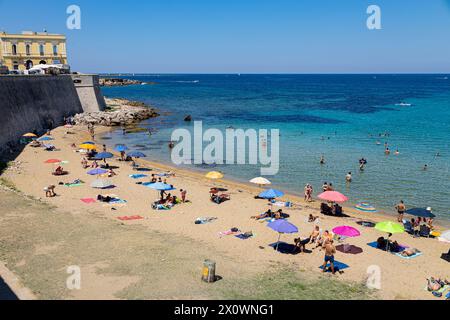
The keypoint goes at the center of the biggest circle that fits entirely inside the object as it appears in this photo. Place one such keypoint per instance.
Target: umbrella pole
(278, 242)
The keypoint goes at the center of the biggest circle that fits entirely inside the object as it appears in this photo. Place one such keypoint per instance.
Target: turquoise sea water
(340, 116)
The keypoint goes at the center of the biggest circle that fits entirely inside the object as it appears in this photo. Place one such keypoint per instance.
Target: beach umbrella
(214, 175)
(161, 186)
(365, 207)
(96, 172)
(346, 231)
(89, 142)
(271, 194)
(29, 135)
(46, 138)
(101, 184)
(88, 146)
(421, 212)
(260, 181)
(136, 154)
(390, 227)
(121, 148)
(282, 227)
(333, 196)
(103, 155)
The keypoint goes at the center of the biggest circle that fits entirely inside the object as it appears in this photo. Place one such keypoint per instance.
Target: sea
(342, 117)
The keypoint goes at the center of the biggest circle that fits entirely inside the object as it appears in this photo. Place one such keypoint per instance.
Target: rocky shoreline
(119, 82)
(119, 112)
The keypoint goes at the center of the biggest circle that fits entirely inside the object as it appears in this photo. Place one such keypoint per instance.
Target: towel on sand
(245, 236)
(129, 218)
(375, 245)
(88, 200)
(411, 257)
(137, 176)
(338, 266)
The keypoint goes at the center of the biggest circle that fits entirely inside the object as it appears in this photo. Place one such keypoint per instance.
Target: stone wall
(34, 103)
(89, 92)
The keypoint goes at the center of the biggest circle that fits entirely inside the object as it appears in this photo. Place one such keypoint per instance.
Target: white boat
(404, 104)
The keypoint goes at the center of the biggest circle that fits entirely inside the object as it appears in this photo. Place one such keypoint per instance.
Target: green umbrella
(390, 227)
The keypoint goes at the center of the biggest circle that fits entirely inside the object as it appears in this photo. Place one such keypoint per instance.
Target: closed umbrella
(101, 184)
(421, 212)
(282, 227)
(271, 194)
(333, 196)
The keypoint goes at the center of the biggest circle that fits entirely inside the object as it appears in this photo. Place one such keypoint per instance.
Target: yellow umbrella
(29, 135)
(88, 147)
(214, 175)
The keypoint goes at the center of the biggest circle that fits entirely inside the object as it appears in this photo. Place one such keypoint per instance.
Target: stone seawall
(34, 103)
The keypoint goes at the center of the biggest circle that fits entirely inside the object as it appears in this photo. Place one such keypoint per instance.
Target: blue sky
(244, 36)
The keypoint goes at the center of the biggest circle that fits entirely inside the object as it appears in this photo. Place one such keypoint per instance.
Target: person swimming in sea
(349, 177)
(397, 152)
(387, 151)
(425, 167)
(322, 160)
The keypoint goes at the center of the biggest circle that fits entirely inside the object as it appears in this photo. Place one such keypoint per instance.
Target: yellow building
(23, 51)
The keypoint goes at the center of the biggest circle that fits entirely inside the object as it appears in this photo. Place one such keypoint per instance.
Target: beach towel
(228, 233)
(130, 218)
(411, 257)
(338, 266)
(245, 236)
(283, 204)
(71, 185)
(204, 220)
(137, 176)
(375, 245)
(115, 202)
(88, 200)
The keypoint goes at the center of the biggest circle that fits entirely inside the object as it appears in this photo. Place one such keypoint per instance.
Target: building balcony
(34, 56)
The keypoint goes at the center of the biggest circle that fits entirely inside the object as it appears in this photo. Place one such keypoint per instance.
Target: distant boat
(404, 104)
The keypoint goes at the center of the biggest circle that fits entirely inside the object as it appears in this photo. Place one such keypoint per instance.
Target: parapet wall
(34, 104)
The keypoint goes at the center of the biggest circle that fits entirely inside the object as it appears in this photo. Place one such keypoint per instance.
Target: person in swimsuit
(330, 251)
(349, 177)
(401, 208)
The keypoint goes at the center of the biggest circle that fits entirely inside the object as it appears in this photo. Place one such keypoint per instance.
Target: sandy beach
(236, 259)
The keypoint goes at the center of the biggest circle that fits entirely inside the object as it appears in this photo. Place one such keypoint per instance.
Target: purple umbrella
(282, 226)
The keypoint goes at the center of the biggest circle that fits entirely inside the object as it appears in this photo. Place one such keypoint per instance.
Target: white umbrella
(261, 181)
(101, 184)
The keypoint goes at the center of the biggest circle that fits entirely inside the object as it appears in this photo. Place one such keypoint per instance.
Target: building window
(14, 49)
(15, 65)
(55, 50)
(41, 49)
(27, 48)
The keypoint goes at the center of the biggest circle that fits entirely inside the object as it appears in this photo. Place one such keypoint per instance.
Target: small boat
(404, 104)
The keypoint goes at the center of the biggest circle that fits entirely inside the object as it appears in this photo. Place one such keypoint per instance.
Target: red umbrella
(333, 196)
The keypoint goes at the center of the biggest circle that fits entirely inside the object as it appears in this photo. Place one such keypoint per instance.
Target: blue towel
(411, 257)
(243, 237)
(375, 245)
(138, 176)
(338, 266)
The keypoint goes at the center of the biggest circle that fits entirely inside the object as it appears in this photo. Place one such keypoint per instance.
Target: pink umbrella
(346, 231)
(333, 196)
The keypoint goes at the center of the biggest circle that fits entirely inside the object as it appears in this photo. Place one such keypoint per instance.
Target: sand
(400, 278)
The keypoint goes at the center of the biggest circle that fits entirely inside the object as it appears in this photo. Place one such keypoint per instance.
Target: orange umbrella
(53, 161)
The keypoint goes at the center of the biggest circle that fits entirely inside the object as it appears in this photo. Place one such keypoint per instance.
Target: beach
(236, 258)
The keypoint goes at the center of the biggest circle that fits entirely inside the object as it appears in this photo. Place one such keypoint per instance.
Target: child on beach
(50, 191)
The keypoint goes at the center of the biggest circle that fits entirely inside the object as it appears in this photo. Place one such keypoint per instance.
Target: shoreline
(348, 207)
(234, 256)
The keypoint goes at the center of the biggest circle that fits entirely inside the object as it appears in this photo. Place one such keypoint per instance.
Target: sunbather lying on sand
(409, 252)
(267, 214)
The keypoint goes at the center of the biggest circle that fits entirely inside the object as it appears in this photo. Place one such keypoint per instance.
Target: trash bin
(209, 271)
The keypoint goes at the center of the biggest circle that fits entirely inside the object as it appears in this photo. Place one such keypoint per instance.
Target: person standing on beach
(330, 251)
(401, 208)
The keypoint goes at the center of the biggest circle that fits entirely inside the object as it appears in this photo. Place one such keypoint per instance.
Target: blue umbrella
(271, 194)
(96, 172)
(136, 154)
(421, 212)
(161, 186)
(282, 226)
(89, 142)
(45, 139)
(121, 148)
(103, 155)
